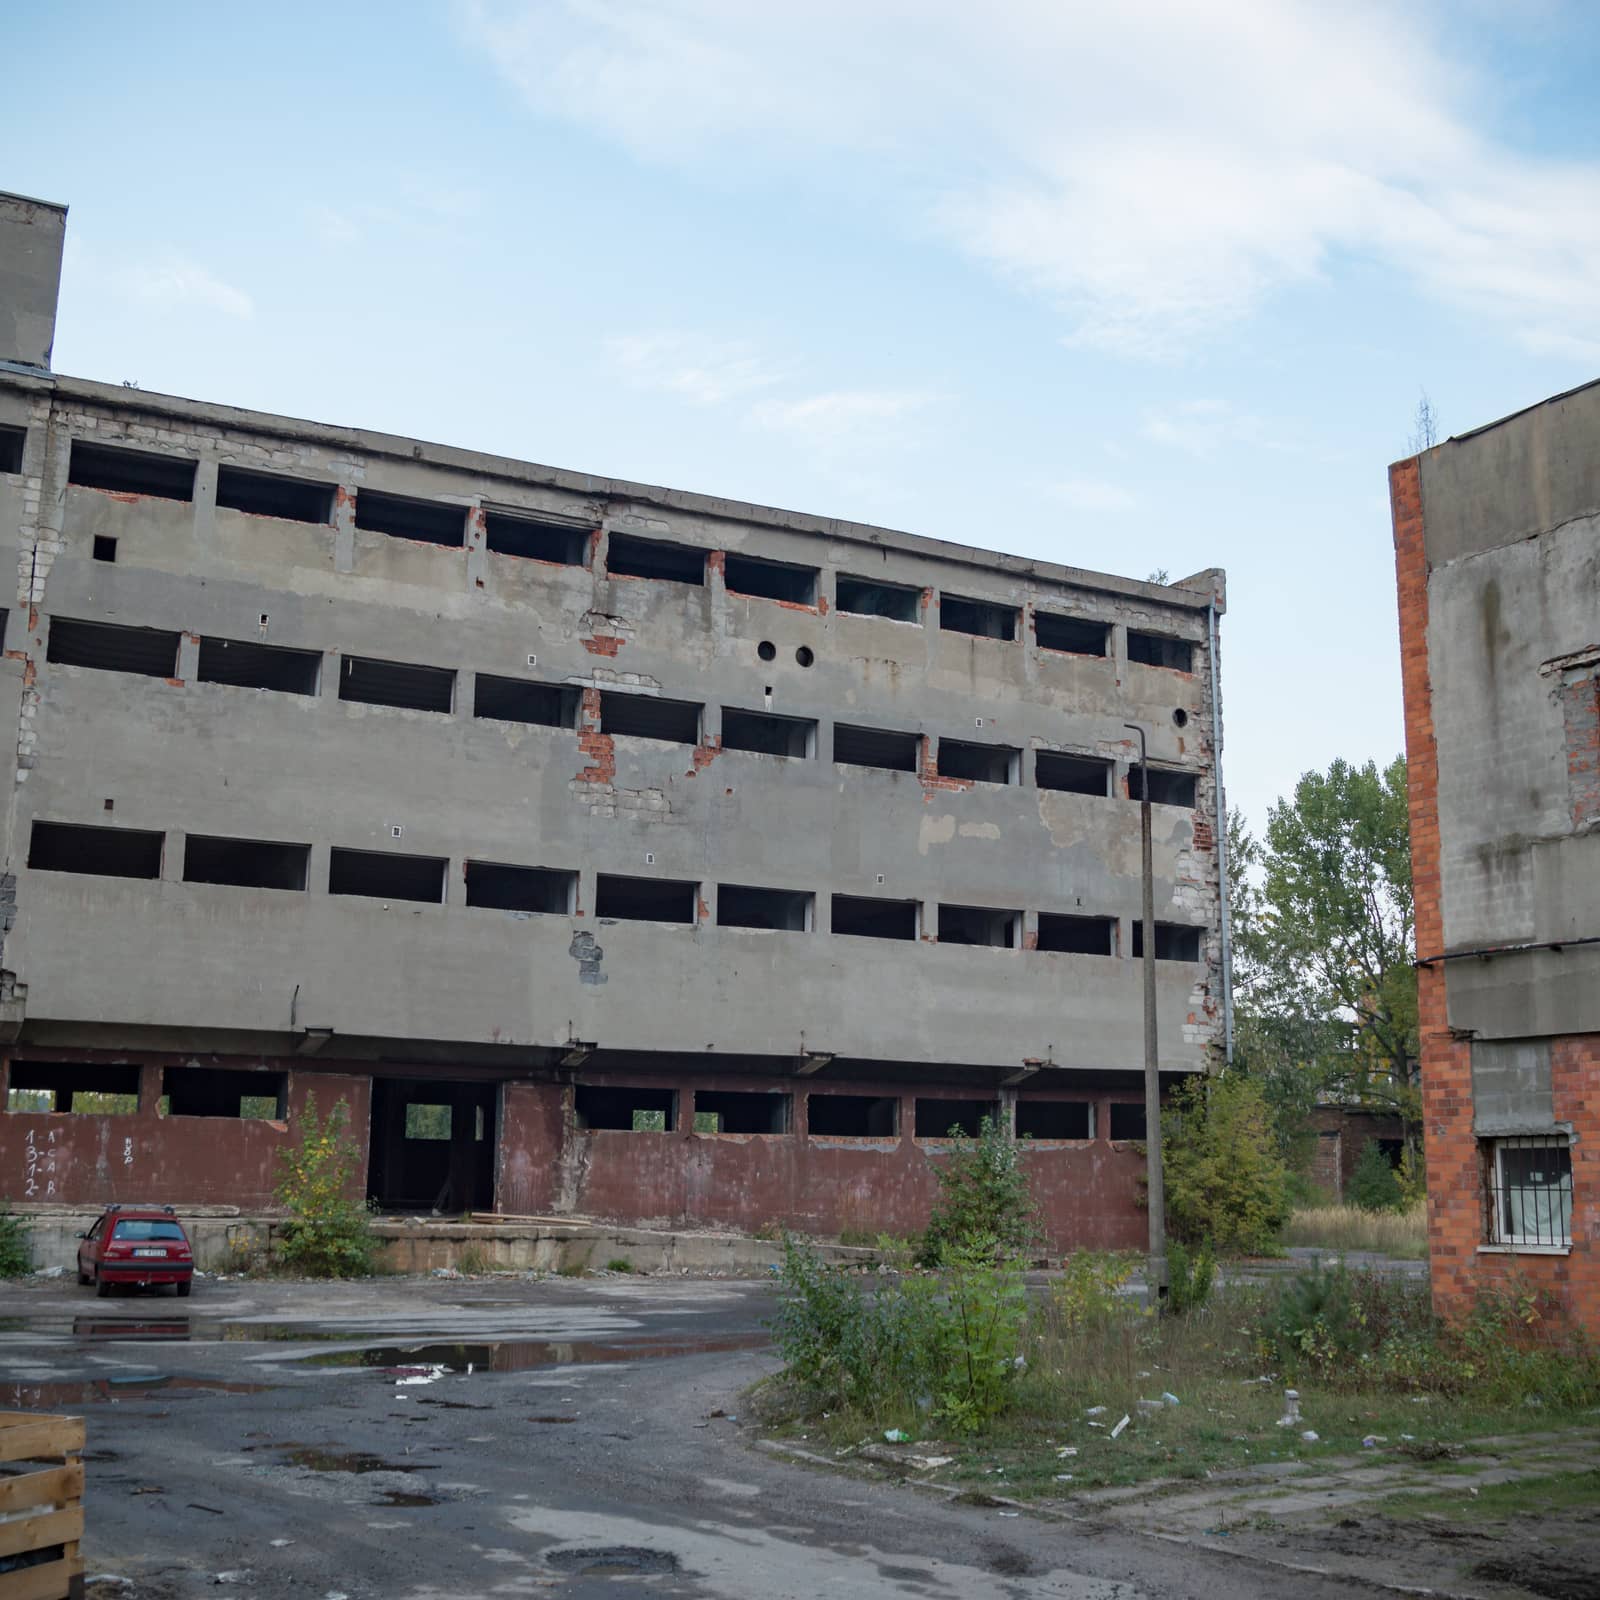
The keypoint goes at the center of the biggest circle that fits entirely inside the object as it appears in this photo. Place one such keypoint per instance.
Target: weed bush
(1340, 1228)
(1189, 1276)
(328, 1235)
(16, 1253)
(1086, 1291)
(1373, 1183)
(983, 1193)
(1225, 1180)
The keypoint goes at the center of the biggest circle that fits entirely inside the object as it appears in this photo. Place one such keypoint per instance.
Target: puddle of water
(316, 1459)
(451, 1405)
(395, 1497)
(612, 1561)
(127, 1328)
(552, 1419)
(95, 1391)
(519, 1355)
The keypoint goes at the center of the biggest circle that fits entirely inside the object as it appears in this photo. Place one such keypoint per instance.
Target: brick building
(1497, 546)
(607, 849)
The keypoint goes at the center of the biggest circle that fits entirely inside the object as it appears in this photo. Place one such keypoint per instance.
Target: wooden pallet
(41, 1508)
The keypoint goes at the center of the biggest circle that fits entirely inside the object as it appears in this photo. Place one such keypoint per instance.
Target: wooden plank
(37, 1532)
(51, 1580)
(38, 1436)
(52, 1487)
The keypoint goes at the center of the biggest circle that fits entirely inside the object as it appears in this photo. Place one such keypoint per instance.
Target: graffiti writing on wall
(39, 1167)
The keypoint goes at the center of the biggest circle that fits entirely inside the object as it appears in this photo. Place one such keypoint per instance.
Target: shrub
(988, 1310)
(1086, 1291)
(1373, 1184)
(1225, 1180)
(1412, 1176)
(1317, 1323)
(983, 1193)
(16, 1254)
(328, 1235)
(1189, 1277)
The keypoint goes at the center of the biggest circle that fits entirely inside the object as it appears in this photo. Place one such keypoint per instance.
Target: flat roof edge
(1500, 422)
(34, 200)
(483, 464)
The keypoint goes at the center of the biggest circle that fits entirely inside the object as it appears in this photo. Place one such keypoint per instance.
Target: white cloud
(1156, 168)
(1202, 427)
(705, 372)
(176, 281)
(854, 419)
(1091, 494)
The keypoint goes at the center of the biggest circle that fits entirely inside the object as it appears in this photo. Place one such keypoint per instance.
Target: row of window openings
(386, 875)
(90, 1089)
(153, 652)
(98, 466)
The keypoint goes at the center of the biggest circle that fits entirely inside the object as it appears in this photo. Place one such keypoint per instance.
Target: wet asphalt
(445, 1439)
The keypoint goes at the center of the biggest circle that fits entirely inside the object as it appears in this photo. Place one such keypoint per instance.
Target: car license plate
(152, 1252)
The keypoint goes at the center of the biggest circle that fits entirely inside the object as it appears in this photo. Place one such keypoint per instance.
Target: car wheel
(101, 1287)
(183, 1290)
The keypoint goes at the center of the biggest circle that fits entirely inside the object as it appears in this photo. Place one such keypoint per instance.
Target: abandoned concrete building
(1497, 544)
(606, 849)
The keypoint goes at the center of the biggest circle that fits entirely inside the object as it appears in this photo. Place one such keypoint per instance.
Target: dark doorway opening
(433, 1144)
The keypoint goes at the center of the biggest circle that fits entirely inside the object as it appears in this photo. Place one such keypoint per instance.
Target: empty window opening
(1174, 942)
(1127, 1119)
(99, 466)
(874, 919)
(740, 906)
(1159, 650)
(99, 852)
(545, 890)
(110, 647)
(87, 1088)
(11, 442)
(852, 1116)
(625, 1110)
(897, 602)
(875, 747)
(247, 863)
(396, 683)
(264, 494)
(768, 735)
(428, 1122)
(1078, 936)
(647, 716)
(427, 520)
(733, 1111)
(534, 539)
(1529, 1183)
(105, 547)
(1054, 1119)
(645, 899)
(770, 580)
(245, 664)
(550, 705)
(980, 925)
(767, 650)
(943, 1119)
(381, 875)
(1073, 635)
(219, 1092)
(627, 557)
(1074, 774)
(980, 763)
(1167, 788)
(981, 617)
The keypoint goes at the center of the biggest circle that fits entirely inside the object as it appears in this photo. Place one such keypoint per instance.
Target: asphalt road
(442, 1440)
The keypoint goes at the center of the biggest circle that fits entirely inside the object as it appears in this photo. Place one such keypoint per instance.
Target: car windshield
(146, 1228)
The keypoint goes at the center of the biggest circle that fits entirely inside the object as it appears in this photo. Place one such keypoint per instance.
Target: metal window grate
(1528, 1190)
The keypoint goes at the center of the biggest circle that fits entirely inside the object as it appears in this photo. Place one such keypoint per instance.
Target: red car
(143, 1245)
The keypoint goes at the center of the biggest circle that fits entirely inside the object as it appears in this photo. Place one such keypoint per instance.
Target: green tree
(1226, 1182)
(1374, 1185)
(983, 1193)
(327, 1234)
(1325, 992)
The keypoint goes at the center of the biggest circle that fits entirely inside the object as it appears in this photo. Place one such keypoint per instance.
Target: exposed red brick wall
(1580, 710)
(1456, 1213)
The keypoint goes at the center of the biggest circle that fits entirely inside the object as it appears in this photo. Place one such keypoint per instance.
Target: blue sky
(1153, 288)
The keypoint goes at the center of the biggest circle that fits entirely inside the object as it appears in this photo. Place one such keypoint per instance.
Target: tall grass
(1390, 1233)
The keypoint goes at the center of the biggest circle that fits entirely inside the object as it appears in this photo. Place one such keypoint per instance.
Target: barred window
(1529, 1190)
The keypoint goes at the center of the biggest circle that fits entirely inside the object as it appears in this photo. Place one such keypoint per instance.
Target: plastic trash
(1067, 1450)
(1170, 1397)
(1095, 1411)
(897, 1436)
(1310, 1436)
(1116, 1432)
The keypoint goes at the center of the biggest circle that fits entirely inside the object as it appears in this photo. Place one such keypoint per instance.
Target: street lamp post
(1156, 1271)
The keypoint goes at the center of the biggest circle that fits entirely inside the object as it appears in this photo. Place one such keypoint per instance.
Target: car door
(88, 1246)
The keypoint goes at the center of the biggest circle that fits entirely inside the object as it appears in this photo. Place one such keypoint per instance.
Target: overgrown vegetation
(328, 1234)
(16, 1252)
(1374, 1185)
(1225, 1178)
(1337, 1229)
(983, 1193)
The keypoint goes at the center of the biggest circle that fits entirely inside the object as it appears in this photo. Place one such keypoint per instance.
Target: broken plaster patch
(935, 830)
(980, 830)
(587, 953)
